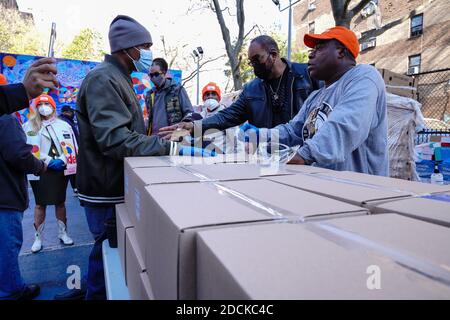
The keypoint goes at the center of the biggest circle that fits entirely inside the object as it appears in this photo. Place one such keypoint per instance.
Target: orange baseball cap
(3, 80)
(212, 87)
(45, 98)
(343, 35)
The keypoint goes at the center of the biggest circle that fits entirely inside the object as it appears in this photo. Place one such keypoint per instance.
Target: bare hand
(41, 75)
(167, 132)
(297, 160)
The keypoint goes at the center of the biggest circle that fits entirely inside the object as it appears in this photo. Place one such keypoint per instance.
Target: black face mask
(262, 71)
(70, 115)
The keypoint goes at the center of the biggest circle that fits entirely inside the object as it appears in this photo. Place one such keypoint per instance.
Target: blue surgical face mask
(145, 61)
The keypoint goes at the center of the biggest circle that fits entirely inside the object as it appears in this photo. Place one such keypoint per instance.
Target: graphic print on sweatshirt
(316, 120)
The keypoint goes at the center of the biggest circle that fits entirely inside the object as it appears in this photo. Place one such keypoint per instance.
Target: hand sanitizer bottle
(437, 177)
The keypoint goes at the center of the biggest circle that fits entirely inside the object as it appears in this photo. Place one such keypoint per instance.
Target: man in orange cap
(342, 126)
(212, 95)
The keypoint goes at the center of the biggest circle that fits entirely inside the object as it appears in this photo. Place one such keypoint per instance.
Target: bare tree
(343, 16)
(233, 50)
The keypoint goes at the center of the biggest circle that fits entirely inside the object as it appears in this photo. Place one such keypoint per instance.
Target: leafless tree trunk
(233, 51)
(343, 16)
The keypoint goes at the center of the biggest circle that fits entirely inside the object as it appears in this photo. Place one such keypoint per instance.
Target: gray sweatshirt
(343, 127)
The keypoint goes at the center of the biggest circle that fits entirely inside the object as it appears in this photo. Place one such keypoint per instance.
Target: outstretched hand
(167, 132)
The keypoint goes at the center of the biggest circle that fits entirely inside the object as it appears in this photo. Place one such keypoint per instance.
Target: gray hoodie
(343, 127)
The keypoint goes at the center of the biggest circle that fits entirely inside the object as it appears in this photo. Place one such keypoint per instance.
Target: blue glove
(248, 132)
(57, 165)
(196, 152)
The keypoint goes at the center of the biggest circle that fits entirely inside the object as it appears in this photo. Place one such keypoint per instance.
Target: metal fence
(425, 135)
(434, 95)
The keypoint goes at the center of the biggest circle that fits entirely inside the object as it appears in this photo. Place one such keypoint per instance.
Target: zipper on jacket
(292, 95)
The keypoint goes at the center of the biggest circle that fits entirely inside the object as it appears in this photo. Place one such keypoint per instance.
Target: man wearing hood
(168, 102)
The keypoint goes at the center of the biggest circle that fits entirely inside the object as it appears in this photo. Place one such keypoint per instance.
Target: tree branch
(223, 28)
(347, 3)
(194, 73)
(241, 24)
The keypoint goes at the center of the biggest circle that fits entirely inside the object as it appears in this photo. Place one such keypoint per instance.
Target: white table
(116, 288)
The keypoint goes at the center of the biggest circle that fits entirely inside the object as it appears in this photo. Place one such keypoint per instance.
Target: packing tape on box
(265, 208)
(353, 241)
(359, 184)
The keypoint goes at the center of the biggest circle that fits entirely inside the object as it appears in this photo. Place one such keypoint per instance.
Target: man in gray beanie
(111, 128)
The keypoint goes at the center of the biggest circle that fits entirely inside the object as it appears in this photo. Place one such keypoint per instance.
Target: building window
(312, 27)
(417, 25)
(312, 5)
(368, 42)
(415, 62)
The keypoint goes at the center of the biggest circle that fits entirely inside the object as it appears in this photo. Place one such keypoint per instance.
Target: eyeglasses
(256, 60)
(318, 47)
(155, 74)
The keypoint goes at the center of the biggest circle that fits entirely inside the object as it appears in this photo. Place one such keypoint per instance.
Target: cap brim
(311, 39)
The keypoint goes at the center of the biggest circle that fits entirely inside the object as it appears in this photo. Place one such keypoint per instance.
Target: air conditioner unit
(312, 7)
(371, 43)
(414, 70)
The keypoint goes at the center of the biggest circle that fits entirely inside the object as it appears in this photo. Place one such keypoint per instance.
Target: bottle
(437, 177)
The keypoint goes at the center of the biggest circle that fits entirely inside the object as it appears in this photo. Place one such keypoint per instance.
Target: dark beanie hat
(125, 32)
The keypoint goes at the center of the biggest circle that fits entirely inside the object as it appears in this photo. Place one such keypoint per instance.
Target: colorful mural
(70, 76)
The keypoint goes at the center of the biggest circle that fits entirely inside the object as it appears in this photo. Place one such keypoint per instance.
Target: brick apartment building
(405, 36)
(12, 4)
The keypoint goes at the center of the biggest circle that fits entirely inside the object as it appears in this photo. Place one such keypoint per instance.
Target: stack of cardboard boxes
(224, 231)
(399, 84)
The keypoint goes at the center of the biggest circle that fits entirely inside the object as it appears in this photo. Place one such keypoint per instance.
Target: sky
(166, 18)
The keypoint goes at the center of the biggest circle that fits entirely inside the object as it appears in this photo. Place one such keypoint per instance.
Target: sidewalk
(49, 267)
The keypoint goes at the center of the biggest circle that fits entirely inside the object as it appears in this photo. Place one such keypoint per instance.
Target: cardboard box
(399, 84)
(354, 193)
(411, 187)
(232, 172)
(406, 236)
(123, 224)
(396, 79)
(292, 262)
(434, 209)
(141, 177)
(306, 169)
(173, 222)
(407, 92)
(135, 265)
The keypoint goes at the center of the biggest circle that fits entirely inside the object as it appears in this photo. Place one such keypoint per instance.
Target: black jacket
(111, 128)
(254, 105)
(72, 124)
(13, 98)
(16, 161)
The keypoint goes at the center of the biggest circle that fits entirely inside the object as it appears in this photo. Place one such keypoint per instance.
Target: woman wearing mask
(54, 142)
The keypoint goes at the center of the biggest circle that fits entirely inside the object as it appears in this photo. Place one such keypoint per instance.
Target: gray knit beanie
(125, 33)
